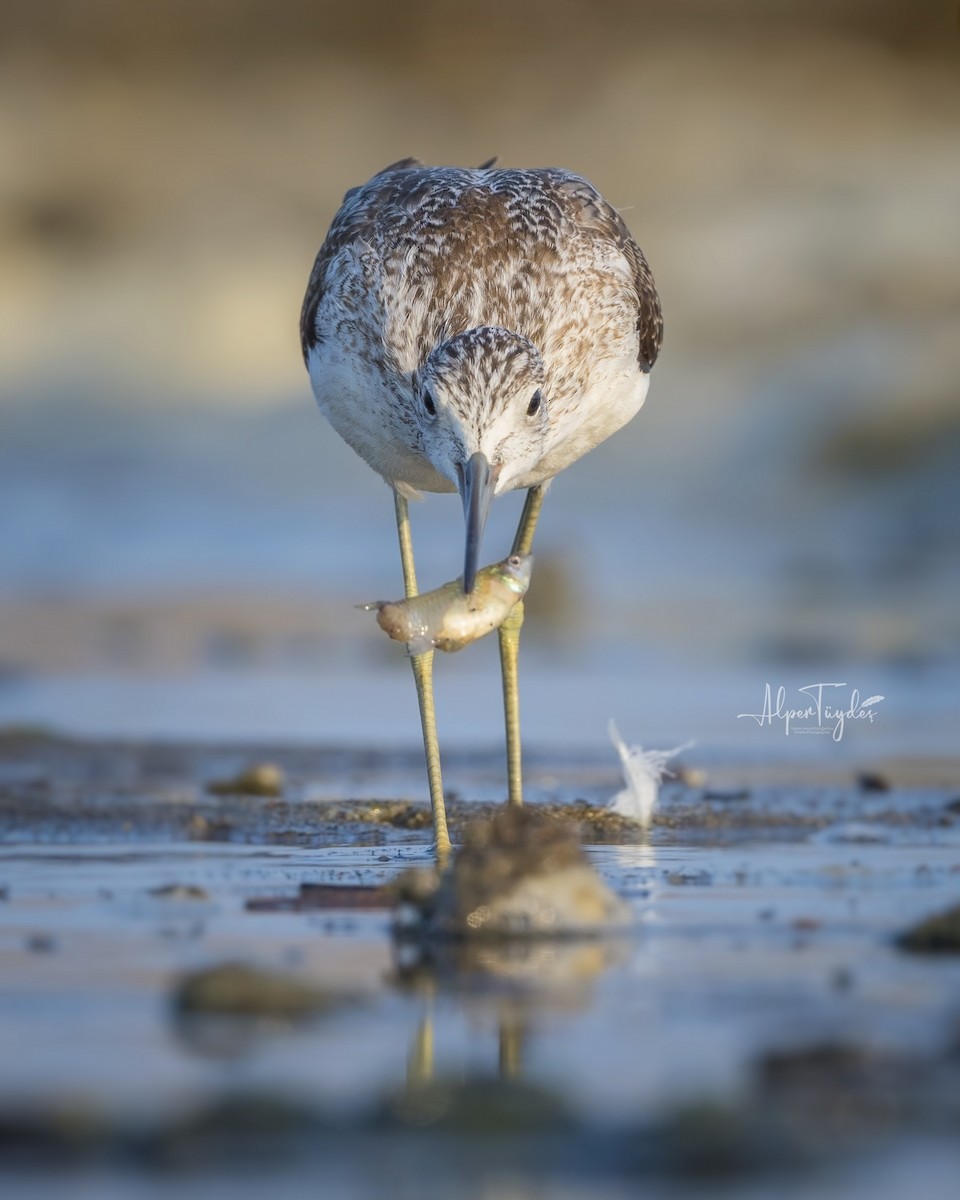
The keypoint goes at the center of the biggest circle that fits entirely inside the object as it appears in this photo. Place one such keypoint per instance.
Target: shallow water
(750, 938)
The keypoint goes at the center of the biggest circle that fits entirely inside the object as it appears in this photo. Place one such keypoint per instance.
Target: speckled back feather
(455, 225)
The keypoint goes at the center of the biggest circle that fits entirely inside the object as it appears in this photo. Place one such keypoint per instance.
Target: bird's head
(482, 414)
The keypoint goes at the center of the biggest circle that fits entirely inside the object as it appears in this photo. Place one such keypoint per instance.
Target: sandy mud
(190, 987)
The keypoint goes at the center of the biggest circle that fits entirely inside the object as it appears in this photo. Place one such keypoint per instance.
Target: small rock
(872, 781)
(260, 779)
(939, 934)
(689, 878)
(41, 943)
(238, 990)
(710, 1139)
(521, 874)
(842, 979)
(179, 891)
(847, 1082)
(727, 795)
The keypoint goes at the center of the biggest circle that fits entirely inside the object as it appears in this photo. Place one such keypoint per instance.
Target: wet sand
(759, 1028)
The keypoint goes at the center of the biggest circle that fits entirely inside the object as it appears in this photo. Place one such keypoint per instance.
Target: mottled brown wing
(312, 298)
(649, 313)
(595, 213)
(356, 212)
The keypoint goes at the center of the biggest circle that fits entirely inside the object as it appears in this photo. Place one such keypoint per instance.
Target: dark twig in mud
(321, 897)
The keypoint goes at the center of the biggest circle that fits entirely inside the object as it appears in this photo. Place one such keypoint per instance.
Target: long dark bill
(477, 481)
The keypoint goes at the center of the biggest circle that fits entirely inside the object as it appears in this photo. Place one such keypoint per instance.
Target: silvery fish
(446, 618)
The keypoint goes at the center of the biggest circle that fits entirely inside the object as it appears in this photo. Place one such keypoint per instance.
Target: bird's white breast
(359, 402)
(615, 395)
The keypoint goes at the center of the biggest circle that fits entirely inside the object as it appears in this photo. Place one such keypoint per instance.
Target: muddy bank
(54, 789)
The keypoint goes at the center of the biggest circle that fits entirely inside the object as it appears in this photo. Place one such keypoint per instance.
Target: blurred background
(182, 538)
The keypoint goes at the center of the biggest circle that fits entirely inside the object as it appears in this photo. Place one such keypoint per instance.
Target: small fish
(446, 618)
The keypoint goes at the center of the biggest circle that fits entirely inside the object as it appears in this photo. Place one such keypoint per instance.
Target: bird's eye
(429, 404)
(534, 406)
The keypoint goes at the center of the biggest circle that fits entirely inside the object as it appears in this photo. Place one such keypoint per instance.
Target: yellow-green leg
(511, 1048)
(423, 677)
(420, 1060)
(509, 634)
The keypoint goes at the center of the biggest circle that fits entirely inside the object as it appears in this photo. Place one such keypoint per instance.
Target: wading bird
(477, 331)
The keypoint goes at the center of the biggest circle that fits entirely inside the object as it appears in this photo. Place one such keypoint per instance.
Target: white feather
(642, 772)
